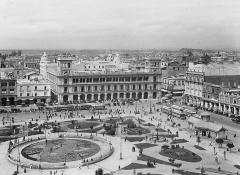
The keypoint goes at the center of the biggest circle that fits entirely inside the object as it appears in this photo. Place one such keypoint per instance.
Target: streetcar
(189, 112)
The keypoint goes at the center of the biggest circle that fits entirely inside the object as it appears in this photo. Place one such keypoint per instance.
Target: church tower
(43, 65)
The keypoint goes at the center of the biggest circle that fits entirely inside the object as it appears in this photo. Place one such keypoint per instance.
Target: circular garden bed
(180, 154)
(60, 150)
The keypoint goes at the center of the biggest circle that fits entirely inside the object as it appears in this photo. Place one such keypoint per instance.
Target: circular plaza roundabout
(69, 150)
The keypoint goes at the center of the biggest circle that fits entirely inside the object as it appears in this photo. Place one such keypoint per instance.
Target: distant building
(173, 69)
(8, 89)
(72, 84)
(33, 91)
(32, 62)
(229, 100)
(205, 83)
(173, 85)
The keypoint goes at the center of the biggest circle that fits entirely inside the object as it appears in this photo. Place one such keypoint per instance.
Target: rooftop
(77, 70)
(222, 69)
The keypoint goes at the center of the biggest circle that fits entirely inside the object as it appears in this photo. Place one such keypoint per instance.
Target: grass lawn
(94, 119)
(137, 131)
(199, 147)
(186, 172)
(33, 132)
(167, 135)
(112, 120)
(146, 158)
(93, 131)
(161, 130)
(148, 124)
(144, 145)
(237, 166)
(136, 166)
(83, 125)
(54, 150)
(177, 141)
(147, 174)
(181, 154)
(135, 139)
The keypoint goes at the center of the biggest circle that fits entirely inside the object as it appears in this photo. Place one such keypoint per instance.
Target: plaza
(121, 141)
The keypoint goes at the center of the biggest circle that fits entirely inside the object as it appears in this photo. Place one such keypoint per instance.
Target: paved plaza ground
(134, 162)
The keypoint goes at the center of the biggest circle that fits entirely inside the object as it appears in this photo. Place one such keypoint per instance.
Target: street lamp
(65, 155)
(120, 129)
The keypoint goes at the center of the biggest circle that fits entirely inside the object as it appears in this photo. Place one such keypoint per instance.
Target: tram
(175, 111)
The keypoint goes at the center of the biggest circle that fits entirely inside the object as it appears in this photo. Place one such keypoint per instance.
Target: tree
(164, 147)
(230, 146)
(99, 172)
(219, 141)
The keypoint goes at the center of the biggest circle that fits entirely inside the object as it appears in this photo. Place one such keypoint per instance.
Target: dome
(44, 57)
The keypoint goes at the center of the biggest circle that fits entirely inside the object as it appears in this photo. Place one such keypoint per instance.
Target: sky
(119, 24)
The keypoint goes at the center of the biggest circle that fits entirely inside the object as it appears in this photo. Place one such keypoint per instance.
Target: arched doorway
(43, 100)
(4, 101)
(127, 95)
(11, 101)
(19, 102)
(145, 96)
(35, 100)
(154, 94)
(96, 97)
(115, 96)
(65, 98)
(134, 95)
(121, 95)
(82, 97)
(27, 102)
(232, 110)
(139, 95)
(89, 97)
(102, 96)
(109, 96)
(75, 98)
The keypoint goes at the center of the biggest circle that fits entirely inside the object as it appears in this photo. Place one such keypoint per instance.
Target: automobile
(15, 110)
(3, 111)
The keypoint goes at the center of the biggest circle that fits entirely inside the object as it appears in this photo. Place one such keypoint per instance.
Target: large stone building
(72, 84)
(211, 86)
(33, 91)
(8, 89)
(173, 85)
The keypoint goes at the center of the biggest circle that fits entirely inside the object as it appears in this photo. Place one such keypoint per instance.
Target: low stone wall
(106, 150)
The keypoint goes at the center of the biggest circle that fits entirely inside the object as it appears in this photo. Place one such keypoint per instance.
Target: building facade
(8, 90)
(33, 91)
(72, 85)
(173, 85)
(193, 93)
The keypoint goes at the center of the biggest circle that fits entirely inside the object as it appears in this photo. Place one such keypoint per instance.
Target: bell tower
(43, 65)
(65, 65)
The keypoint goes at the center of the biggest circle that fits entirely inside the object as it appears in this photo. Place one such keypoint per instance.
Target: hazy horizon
(119, 25)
